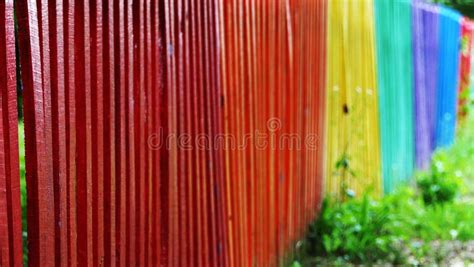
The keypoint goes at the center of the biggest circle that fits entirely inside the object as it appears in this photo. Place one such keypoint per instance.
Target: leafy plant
(356, 231)
(397, 229)
(344, 170)
(438, 186)
(409, 226)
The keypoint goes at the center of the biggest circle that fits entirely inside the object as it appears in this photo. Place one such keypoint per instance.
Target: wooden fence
(162, 132)
(194, 132)
(352, 103)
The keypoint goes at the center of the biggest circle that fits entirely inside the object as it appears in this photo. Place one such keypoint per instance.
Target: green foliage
(438, 186)
(403, 223)
(356, 231)
(388, 230)
(21, 145)
(400, 228)
(412, 220)
(466, 7)
(452, 2)
(458, 160)
(344, 170)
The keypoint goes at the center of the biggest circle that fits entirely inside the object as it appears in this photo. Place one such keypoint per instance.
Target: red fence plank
(10, 207)
(131, 169)
(39, 164)
(83, 132)
(97, 130)
(110, 161)
(120, 140)
(155, 121)
(58, 130)
(71, 146)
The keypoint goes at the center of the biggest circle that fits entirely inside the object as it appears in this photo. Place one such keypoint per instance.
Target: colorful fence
(395, 82)
(198, 133)
(352, 122)
(448, 76)
(467, 34)
(417, 68)
(274, 189)
(144, 124)
(425, 51)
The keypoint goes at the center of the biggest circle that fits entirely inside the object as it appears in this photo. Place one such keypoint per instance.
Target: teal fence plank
(395, 81)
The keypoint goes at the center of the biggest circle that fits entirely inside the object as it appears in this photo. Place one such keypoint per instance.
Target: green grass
(403, 224)
(413, 220)
(367, 231)
(459, 159)
(21, 145)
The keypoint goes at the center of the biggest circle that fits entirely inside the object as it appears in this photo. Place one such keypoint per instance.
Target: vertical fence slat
(83, 132)
(448, 78)
(131, 151)
(4, 213)
(120, 140)
(157, 99)
(223, 248)
(178, 50)
(165, 231)
(425, 46)
(110, 86)
(139, 96)
(71, 147)
(148, 111)
(39, 163)
(10, 225)
(210, 178)
(58, 131)
(186, 175)
(97, 113)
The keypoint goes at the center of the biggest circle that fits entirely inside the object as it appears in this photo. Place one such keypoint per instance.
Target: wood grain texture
(33, 40)
(10, 206)
(159, 132)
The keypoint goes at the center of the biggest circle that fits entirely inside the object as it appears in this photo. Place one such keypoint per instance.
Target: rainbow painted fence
(204, 133)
